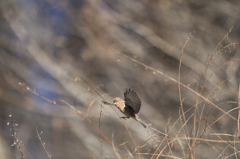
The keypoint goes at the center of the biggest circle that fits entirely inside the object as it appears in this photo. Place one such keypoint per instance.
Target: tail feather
(140, 121)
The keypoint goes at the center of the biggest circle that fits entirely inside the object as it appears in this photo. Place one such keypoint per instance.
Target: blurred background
(46, 45)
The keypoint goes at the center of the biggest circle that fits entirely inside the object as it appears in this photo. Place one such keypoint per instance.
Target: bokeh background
(46, 45)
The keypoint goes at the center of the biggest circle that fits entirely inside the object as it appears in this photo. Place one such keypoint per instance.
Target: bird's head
(119, 102)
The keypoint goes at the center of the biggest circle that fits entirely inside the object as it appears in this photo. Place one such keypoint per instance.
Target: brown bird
(130, 106)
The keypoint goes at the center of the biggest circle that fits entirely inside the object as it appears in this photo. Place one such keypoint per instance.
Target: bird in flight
(130, 106)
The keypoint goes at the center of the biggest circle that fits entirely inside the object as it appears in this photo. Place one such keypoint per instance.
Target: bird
(129, 106)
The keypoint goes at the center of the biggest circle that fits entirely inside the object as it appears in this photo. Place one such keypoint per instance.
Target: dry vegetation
(60, 59)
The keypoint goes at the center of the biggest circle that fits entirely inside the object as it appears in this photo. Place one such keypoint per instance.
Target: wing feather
(132, 100)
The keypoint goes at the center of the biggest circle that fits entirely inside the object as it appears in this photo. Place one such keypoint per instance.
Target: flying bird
(129, 106)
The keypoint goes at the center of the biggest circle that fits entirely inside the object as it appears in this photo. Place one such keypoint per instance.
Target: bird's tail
(140, 121)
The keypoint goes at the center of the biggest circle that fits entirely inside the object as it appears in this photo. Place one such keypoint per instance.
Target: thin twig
(42, 143)
(238, 112)
(99, 125)
(14, 134)
(179, 87)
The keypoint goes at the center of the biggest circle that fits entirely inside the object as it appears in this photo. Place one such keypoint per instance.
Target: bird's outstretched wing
(132, 100)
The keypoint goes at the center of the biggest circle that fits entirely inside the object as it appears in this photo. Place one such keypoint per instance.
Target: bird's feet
(124, 117)
(104, 102)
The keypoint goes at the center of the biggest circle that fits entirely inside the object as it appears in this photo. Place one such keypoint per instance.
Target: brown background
(47, 44)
